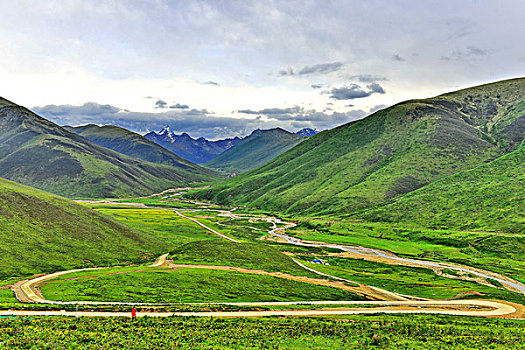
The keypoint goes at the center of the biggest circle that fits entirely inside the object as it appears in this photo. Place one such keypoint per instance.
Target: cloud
(320, 68)
(88, 109)
(367, 78)
(300, 114)
(354, 91)
(273, 111)
(317, 86)
(179, 106)
(196, 122)
(397, 58)
(375, 87)
(161, 104)
(468, 53)
(376, 108)
(475, 51)
(214, 83)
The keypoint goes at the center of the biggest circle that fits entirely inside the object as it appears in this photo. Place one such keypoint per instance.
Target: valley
(249, 247)
(421, 216)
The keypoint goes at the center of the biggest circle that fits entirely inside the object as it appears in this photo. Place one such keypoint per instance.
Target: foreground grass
(188, 285)
(355, 332)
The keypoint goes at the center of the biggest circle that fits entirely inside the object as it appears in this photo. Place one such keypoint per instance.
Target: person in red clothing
(133, 313)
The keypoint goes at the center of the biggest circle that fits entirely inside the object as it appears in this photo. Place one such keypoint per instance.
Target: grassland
(407, 280)
(499, 252)
(187, 285)
(248, 255)
(356, 332)
(162, 224)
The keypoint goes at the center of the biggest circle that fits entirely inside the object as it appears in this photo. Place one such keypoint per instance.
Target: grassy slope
(41, 154)
(489, 197)
(390, 153)
(41, 232)
(133, 145)
(255, 150)
(248, 255)
(184, 284)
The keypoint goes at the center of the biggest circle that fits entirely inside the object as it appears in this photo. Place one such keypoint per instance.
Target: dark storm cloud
(375, 87)
(161, 104)
(179, 106)
(89, 109)
(298, 113)
(320, 68)
(354, 91)
(196, 122)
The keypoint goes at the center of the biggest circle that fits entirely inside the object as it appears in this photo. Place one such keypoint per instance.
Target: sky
(218, 69)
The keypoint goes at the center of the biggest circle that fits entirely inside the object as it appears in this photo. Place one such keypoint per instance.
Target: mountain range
(41, 154)
(197, 151)
(254, 150)
(392, 152)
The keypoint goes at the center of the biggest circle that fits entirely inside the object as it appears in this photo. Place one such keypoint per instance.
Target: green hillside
(489, 197)
(133, 145)
(255, 150)
(41, 232)
(388, 154)
(38, 153)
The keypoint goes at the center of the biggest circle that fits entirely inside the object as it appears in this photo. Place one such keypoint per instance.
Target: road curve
(387, 307)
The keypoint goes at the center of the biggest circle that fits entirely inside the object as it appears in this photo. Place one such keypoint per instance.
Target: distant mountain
(195, 150)
(133, 145)
(42, 233)
(384, 156)
(255, 150)
(39, 153)
(307, 132)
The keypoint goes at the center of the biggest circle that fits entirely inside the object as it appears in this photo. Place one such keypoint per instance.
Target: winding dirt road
(386, 302)
(465, 308)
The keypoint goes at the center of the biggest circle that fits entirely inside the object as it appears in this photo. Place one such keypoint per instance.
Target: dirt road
(490, 309)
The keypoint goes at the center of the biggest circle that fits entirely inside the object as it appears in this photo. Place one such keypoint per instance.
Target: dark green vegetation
(41, 232)
(386, 155)
(356, 332)
(188, 285)
(489, 197)
(38, 153)
(248, 255)
(255, 150)
(131, 144)
(407, 280)
(196, 150)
